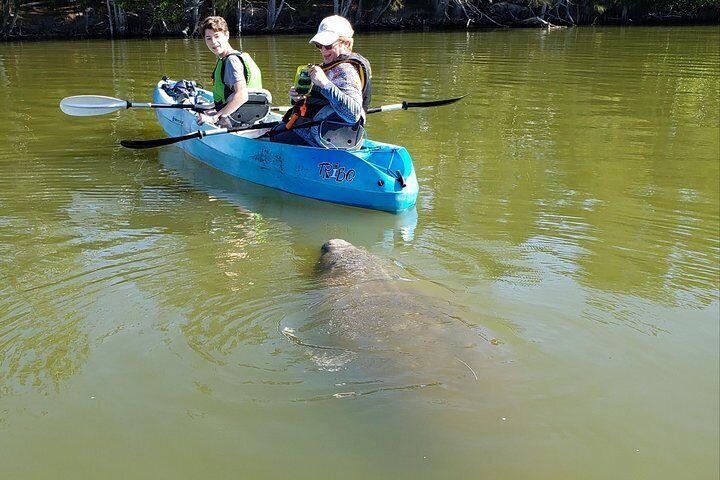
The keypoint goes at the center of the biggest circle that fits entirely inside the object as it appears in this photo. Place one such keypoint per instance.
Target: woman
(334, 110)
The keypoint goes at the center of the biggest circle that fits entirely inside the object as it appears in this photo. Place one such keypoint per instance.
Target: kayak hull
(378, 176)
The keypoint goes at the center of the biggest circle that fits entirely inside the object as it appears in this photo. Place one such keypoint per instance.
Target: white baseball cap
(331, 29)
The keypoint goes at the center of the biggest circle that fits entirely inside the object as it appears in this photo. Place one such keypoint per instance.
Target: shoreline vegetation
(21, 20)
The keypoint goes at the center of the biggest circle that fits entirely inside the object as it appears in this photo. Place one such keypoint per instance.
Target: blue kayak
(378, 176)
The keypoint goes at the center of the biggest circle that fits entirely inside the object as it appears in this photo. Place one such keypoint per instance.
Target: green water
(568, 211)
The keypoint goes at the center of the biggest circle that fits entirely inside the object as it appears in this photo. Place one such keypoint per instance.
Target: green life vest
(253, 77)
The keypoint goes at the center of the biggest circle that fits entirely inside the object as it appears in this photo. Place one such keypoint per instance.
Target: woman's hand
(318, 77)
(295, 96)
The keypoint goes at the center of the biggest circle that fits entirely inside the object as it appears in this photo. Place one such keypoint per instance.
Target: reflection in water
(308, 221)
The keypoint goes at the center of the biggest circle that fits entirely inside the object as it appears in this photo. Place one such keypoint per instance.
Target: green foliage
(653, 6)
(154, 11)
(169, 16)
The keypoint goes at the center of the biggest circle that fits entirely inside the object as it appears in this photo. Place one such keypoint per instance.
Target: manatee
(378, 323)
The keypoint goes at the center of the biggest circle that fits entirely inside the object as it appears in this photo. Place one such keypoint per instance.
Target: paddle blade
(91, 105)
(432, 103)
(406, 105)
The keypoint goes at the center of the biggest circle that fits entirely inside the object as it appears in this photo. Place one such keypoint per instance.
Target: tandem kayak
(378, 176)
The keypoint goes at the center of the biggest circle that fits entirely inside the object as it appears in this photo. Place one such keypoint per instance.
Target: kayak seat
(341, 136)
(254, 110)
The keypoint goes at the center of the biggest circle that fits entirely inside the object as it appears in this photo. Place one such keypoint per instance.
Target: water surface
(568, 210)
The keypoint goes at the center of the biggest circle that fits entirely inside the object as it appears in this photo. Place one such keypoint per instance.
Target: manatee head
(342, 259)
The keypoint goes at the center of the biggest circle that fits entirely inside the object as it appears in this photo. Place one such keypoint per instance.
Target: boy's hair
(216, 24)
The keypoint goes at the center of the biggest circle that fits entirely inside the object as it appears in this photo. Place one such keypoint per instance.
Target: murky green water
(568, 213)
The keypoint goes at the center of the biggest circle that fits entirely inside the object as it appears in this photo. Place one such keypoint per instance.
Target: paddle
(139, 144)
(159, 142)
(91, 105)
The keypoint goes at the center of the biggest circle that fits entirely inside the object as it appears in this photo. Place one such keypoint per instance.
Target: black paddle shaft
(196, 108)
(201, 107)
(159, 142)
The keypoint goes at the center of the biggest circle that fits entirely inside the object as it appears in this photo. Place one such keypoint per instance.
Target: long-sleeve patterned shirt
(344, 92)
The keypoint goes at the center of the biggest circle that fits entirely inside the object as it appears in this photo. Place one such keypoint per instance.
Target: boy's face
(217, 42)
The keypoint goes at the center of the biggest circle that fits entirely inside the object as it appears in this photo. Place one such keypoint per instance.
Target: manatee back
(344, 263)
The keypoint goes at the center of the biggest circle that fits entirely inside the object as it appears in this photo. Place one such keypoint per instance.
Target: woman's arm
(342, 87)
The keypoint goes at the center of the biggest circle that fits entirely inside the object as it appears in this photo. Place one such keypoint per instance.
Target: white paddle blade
(90, 105)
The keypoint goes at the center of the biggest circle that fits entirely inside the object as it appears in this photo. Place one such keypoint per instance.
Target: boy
(235, 72)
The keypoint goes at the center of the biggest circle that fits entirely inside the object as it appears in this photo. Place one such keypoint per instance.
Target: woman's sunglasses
(326, 47)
